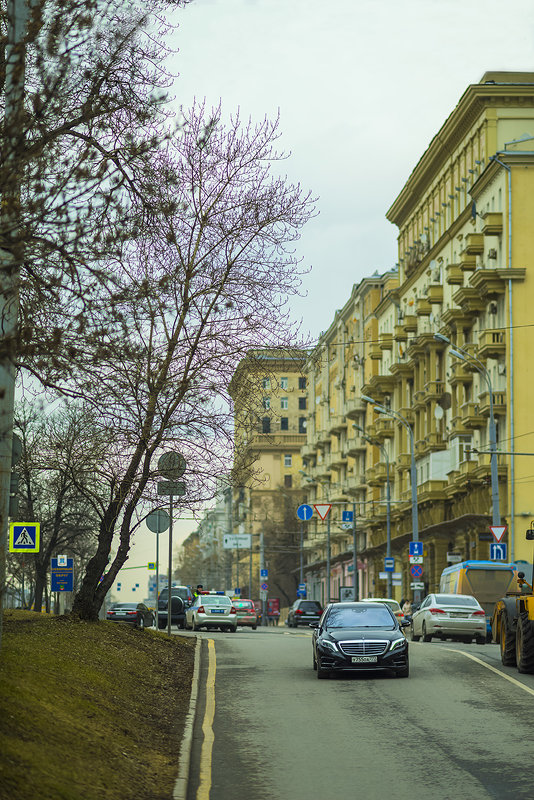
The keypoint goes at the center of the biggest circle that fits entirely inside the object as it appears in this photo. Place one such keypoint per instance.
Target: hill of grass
(90, 711)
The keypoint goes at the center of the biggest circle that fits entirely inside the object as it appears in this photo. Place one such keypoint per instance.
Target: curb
(180, 786)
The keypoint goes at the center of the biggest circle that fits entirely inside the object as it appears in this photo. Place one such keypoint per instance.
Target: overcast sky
(362, 86)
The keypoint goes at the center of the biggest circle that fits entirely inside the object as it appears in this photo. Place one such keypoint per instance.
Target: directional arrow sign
(498, 531)
(323, 509)
(304, 512)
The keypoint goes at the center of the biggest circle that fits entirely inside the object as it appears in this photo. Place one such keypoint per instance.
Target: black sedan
(351, 637)
(136, 614)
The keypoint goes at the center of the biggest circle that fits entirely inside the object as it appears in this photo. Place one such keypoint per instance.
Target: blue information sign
(416, 548)
(62, 577)
(389, 564)
(264, 573)
(498, 551)
(304, 512)
(347, 516)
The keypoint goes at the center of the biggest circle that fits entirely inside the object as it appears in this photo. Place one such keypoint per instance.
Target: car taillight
(131, 613)
(201, 610)
(436, 611)
(479, 614)
(299, 611)
(233, 611)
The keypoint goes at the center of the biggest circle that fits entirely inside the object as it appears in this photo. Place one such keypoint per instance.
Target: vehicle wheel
(427, 637)
(162, 624)
(314, 661)
(321, 673)
(413, 636)
(524, 644)
(193, 625)
(141, 624)
(507, 643)
(254, 627)
(480, 639)
(233, 630)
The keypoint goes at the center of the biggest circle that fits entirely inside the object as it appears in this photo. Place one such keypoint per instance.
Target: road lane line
(493, 669)
(204, 788)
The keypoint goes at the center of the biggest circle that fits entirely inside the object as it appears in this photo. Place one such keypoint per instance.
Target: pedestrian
(407, 609)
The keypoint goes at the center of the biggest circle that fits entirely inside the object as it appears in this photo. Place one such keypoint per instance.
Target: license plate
(364, 659)
(217, 610)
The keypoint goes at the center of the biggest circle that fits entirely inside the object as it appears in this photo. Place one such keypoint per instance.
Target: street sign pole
(172, 466)
(354, 555)
(169, 607)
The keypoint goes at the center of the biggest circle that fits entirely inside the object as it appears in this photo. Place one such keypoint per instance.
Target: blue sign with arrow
(304, 512)
(416, 548)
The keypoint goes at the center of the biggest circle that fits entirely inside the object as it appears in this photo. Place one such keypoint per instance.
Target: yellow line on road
(204, 788)
(494, 669)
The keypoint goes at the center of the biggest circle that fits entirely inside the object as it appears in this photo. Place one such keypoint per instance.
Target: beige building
(270, 410)
(444, 352)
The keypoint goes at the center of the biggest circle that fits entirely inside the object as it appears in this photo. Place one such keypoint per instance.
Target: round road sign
(172, 465)
(158, 521)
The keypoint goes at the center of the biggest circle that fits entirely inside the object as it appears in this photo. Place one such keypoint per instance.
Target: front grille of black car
(362, 647)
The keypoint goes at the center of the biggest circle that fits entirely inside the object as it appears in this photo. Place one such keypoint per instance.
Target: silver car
(211, 611)
(449, 616)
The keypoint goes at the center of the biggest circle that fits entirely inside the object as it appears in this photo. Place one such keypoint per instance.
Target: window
(302, 424)
(266, 383)
(287, 460)
(288, 481)
(266, 402)
(302, 403)
(284, 403)
(266, 425)
(284, 383)
(302, 383)
(284, 423)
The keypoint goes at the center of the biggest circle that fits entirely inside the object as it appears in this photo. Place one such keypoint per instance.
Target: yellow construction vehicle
(512, 623)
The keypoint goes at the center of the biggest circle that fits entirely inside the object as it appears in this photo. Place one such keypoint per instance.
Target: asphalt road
(267, 728)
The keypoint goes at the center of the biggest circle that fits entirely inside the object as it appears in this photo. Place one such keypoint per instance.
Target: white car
(211, 611)
(449, 616)
(393, 604)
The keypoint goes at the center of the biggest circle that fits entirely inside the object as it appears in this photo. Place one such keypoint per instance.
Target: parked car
(181, 599)
(211, 611)
(393, 604)
(246, 613)
(136, 614)
(449, 616)
(359, 636)
(302, 612)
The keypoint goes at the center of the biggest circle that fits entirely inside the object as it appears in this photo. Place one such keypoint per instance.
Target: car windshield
(214, 600)
(375, 616)
(118, 606)
(456, 600)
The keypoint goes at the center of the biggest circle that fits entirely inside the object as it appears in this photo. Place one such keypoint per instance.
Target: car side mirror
(313, 624)
(405, 623)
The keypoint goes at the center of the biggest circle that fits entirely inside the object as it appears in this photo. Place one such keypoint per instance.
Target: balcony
(430, 491)
(492, 343)
(323, 437)
(474, 244)
(404, 462)
(471, 416)
(408, 414)
(435, 441)
(385, 428)
(483, 470)
(492, 225)
(370, 477)
(338, 459)
(386, 341)
(435, 294)
(338, 423)
(374, 351)
(355, 445)
(488, 282)
(459, 373)
(308, 451)
(419, 399)
(468, 263)
(499, 404)
(423, 307)
(434, 390)
(356, 483)
(355, 407)
(410, 323)
(458, 427)
(454, 275)
(469, 300)
(400, 334)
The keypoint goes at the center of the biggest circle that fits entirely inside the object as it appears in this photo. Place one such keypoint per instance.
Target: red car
(246, 613)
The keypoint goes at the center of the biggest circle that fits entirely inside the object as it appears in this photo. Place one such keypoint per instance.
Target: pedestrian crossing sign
(24, 537)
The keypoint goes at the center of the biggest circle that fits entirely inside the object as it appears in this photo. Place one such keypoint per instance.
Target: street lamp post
(463, 355)
(413, 474)
(384, 452)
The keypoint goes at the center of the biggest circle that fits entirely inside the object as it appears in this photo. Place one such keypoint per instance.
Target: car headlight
(328, 645)
(396, 643)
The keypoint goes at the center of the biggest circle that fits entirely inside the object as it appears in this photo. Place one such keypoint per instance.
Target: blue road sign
(347, 516)
(62, 578)
(301, 594)
(302, 587)
(304, 512)
(24, 537)
(264, 587)
(416, 548)
(389, 564)
(416, 570)
(498, 551)
(264, 573)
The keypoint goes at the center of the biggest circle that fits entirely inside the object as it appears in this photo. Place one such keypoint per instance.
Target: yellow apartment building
(269, 391)
(335, 453)
(453, 341)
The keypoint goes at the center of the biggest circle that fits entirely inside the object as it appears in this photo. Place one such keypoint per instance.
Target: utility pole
(262, 593)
